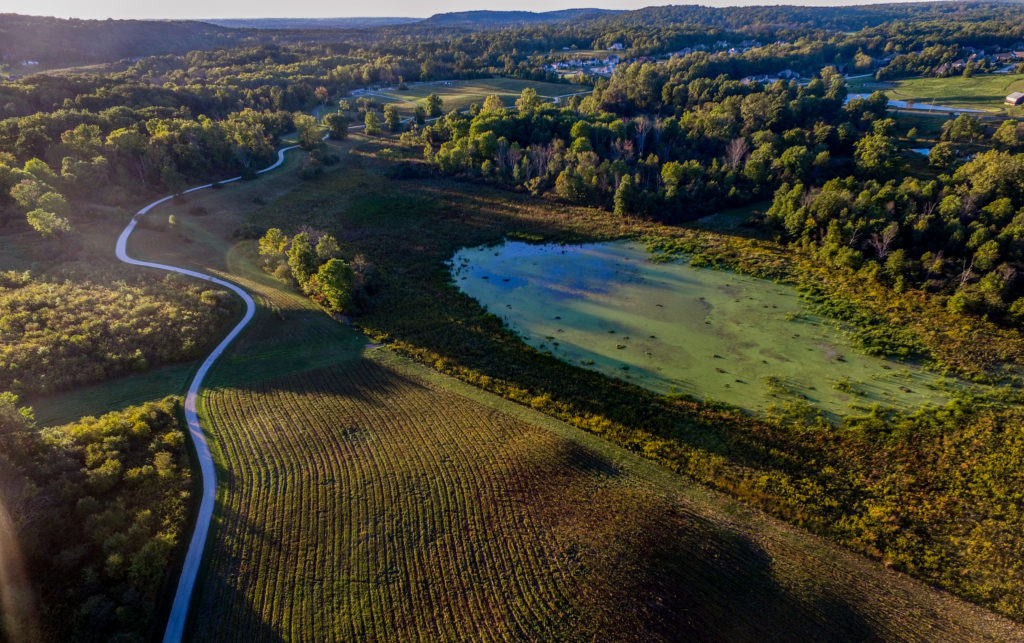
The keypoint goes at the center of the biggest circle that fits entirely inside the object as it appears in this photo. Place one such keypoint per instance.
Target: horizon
(264, 9)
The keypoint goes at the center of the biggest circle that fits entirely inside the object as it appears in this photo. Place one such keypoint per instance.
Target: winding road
(190, 570)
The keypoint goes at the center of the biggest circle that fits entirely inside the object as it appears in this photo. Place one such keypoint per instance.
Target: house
(616, 46)
(1003, 57)
(1016, 98)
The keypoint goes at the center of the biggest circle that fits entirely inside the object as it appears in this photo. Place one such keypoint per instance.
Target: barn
(1016, 98)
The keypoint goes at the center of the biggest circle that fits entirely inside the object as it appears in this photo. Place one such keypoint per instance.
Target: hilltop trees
(687, 147)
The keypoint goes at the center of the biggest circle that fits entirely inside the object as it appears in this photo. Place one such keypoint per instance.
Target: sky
(199, 9)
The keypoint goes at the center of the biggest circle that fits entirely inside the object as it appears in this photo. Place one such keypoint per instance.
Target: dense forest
(692, 121)
(98, 508)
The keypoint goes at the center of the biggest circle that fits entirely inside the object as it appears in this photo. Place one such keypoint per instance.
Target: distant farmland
(459, 94)
(982, 91)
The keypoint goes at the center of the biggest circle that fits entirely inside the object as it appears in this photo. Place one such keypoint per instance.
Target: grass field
(376, 500)
(459, 94)
(981, 91)
(365, 497)
(117, 394)
(669, 327)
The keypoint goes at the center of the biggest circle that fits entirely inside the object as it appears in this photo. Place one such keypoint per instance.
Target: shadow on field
(655, 572)
(647, 565)
(220, 612)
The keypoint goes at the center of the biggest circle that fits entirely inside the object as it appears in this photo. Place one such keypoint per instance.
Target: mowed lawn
(981, 91)
(460, 94)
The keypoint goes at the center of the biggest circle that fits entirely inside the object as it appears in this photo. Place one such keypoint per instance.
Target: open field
(409, 228)
(459, 94)
(672, 328)
(982, 91)
(374, 500)
(363, 496)
(116, 394)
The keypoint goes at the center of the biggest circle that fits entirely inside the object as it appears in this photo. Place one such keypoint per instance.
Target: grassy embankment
(984, 92)
(339, 468)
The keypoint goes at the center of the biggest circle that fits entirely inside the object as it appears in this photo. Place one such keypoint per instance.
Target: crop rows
(365, 503)
(361, 504)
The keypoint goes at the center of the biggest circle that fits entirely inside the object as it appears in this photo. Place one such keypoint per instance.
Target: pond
(674, 328)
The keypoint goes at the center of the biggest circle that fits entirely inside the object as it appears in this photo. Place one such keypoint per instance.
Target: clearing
(459, 94)
(984, 92)
(363, 496)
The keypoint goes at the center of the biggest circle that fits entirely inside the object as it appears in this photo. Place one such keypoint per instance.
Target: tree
(333, 285)
(14, 418)
(862, 61)
(492, 104)
(419, 115)
(273, 243)
(321, 94)
(83, 142)
(27, 192)
(391, 117)
(1007, 136)
(942, 156)
(48, 224)
(309, 131)
(570, 186)
(171, 178)
(434, 105)
(736, 152)
(53, 202)
(877, 156)
(301, 259)
(883, 243)
(337, 126)
(963, 128)
(528, 101)
(625, 196)
(372, 122)
(327, 247)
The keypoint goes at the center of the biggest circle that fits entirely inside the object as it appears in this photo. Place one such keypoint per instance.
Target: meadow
(409, 228)
(984, 92)
(366, 496)
(460, 94)
(673, 328)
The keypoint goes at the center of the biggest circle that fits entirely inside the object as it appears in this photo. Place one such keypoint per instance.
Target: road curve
(190, 570)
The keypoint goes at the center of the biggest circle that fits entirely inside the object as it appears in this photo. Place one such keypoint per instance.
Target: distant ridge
(57, 40)
(514, 18)
(310, 23)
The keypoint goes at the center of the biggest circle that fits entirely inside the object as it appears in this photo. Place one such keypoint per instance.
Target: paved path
(179, 610)
(190, 570)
